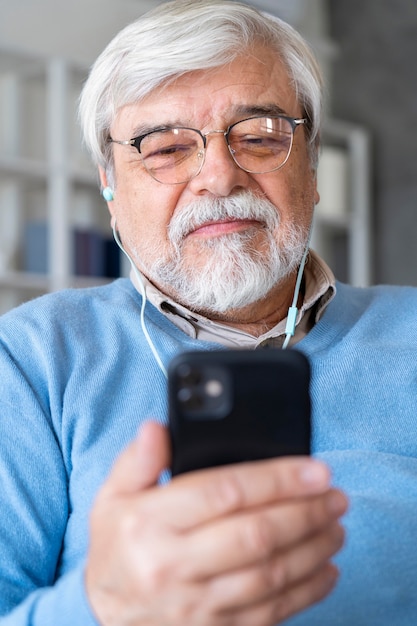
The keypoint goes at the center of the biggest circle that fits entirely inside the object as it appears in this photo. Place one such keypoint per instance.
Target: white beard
(234, 273)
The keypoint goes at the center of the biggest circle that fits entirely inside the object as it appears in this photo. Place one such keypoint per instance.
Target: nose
(219, 174)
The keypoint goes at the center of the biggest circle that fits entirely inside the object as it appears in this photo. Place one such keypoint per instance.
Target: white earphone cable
(143, 305)
(293, 310)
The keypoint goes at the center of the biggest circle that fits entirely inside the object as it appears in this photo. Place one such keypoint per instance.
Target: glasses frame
(136, 142)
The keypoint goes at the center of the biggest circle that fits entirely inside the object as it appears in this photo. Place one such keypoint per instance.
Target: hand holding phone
(230, 406)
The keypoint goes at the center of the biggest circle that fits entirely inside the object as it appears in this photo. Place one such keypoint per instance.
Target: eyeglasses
(176, 155)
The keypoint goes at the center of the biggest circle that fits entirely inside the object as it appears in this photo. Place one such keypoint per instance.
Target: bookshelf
(342, 231)
(49, 199)
(52, 217)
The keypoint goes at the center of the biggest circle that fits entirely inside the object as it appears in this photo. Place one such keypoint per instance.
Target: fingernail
(315, 474)
(336, 503)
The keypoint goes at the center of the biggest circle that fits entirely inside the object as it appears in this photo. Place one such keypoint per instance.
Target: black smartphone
(228, 406)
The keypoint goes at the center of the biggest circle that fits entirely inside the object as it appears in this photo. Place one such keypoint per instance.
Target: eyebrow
(267, 109)
(143, 129)
(243, 111)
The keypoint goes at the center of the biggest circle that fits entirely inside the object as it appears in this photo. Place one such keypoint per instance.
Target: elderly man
(203, 118)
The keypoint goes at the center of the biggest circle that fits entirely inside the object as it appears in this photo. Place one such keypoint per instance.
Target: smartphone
(229, 406)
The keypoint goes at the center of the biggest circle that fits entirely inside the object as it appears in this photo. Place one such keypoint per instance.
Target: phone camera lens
(214, 388)
(189, 375)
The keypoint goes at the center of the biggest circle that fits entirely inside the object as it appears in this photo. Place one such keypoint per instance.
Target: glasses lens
(261, 144)
(173, 155)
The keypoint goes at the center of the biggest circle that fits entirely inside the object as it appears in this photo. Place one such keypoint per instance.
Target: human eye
(261, 137)
(261, 143)
(165, 149)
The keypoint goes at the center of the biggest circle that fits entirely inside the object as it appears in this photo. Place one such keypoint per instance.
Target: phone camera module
(204, 392)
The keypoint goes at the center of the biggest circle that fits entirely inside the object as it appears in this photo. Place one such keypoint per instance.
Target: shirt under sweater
(78, 378)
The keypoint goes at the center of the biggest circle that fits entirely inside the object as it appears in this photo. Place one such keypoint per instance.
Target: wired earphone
(108, 195)
(142, 291)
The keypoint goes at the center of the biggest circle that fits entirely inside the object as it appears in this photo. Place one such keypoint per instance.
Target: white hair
(183, 36)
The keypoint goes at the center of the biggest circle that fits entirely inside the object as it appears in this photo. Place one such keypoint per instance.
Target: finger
(284, 605)
(198, 497)
(309, 592)
(247, 538)
(141, 463)
(243, 588)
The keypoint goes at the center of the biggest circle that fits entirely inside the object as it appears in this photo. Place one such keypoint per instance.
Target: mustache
(242, 206)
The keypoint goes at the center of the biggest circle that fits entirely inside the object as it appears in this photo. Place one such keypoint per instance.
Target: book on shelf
(35, 246)
(94, 253)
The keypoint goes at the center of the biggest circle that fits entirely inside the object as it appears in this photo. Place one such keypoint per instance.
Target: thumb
(142, 462)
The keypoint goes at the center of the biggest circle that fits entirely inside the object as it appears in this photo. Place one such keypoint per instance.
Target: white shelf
(44, 175)
(355, 221)
(37, 169)
(26, 281)
(336, 222)
(29, 281)
(23, 166)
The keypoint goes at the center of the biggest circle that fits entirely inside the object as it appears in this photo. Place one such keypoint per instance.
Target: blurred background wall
(368, 51)
(374, 82)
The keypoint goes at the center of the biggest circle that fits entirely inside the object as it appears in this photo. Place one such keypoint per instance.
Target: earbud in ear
(108, 194)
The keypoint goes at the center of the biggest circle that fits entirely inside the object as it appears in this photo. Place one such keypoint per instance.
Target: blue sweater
(77, 378)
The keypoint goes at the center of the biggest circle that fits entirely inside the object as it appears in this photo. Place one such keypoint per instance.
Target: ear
(316, 191)
(103, 177)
